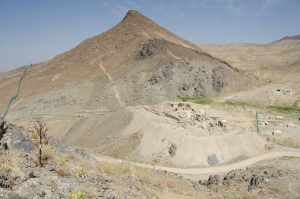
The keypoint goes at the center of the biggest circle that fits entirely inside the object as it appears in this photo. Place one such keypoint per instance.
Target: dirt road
(210, 170)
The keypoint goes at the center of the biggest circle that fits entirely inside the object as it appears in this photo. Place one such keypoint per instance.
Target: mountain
(277, 64)
(295, 37)
(90, 94)
(278, 55)
(167, 64)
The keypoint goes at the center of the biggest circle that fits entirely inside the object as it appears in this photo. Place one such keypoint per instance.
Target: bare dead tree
(39, 137)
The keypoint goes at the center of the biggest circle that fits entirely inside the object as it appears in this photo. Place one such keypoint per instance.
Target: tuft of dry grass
(48, 153)
(12, 161)
(79, 171)
(76, 195)
(146, 176)
(113, 169)
(89, 192)
(6, 166)
(62, 171)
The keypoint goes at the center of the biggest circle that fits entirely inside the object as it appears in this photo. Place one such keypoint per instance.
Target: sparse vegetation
(62, 171)
(87, 191)
(76, 195)
(146, 176)
(5, 166)
(48, 153)
(39, 138)
(196, 100)
(113, 169)
(286, 108)
(79, 171)
(287, 142)
(243, 103)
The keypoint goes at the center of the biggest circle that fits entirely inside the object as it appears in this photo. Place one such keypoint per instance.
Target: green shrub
(285, 108)
(196, 100)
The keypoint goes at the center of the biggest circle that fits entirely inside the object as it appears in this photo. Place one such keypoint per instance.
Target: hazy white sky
(36, 30)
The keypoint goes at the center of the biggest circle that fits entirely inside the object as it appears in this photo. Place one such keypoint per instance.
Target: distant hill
(278, 55)
(296, 37)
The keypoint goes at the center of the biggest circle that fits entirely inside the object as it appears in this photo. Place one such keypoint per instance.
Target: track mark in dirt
(144, 33)
(174, 56)
(114, 87)
(16, 103)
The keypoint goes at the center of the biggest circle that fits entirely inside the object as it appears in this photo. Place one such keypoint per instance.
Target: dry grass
(51, 182)
(287, 142)
(79, 171)
(76, 195)
(62, 171)
(6, 166)
(59, 158)
(293, 142)
(113, 169)
(11, 162)
(48, 153)
(147, 176)
(89, 192)
(178, 186)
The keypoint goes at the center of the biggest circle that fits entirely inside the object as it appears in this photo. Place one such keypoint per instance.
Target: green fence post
(257, 124)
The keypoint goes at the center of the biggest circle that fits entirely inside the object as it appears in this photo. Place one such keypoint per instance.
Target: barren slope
(136, 62)
(276, 64)
(87, 95)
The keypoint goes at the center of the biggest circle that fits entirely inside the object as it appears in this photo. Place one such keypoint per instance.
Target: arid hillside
(137, 112)
(135, 62)
(277, 65)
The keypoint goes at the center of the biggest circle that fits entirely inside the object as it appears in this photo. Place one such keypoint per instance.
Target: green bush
(196, 100)
(286, 108)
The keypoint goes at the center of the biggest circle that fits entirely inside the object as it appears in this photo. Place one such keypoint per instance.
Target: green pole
(257, 123)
